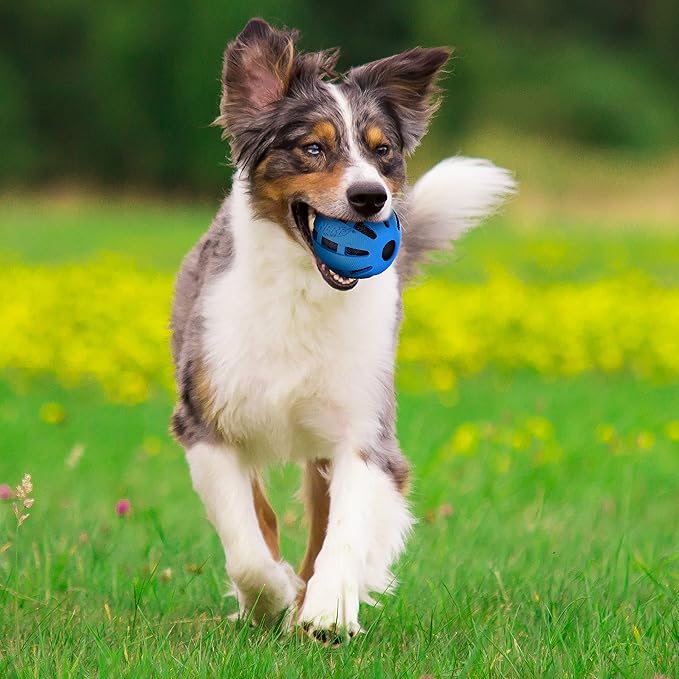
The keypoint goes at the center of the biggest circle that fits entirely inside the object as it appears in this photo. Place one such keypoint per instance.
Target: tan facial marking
(315, 185)
(374, 137)
(272, 197)
(325, 133)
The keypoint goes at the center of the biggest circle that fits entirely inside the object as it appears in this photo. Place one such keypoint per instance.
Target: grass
(157, 236)
(548, 533)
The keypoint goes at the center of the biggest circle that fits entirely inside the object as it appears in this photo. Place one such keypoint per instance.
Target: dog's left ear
(407, 81)
(258, 68)
(261, 66)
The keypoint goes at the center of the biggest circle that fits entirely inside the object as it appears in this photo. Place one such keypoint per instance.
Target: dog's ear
(258, 68)
(407, 82)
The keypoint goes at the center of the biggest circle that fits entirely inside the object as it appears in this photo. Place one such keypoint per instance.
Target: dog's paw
(329, 614)
(330, 634)
(265, 593)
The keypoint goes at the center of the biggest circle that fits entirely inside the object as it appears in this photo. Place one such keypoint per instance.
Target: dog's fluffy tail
(453, 197)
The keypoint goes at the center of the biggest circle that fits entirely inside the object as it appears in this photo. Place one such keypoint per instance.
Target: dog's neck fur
(288, 356)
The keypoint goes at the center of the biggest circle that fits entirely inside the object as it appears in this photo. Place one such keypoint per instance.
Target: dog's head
(307, 144)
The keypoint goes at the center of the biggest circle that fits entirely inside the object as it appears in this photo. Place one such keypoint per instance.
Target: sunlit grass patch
(521, 565)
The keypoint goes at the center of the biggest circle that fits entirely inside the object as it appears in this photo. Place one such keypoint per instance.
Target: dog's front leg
(367, 522)
(263, 585)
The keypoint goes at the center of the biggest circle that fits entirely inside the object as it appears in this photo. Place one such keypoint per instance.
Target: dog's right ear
(407, 82)
(258, 68)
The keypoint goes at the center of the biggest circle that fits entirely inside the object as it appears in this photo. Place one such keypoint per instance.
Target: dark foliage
(124, 92)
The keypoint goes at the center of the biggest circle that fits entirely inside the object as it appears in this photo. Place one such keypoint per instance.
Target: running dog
(278, 358)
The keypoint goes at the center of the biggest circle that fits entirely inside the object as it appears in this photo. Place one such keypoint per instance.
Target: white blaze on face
(359, 169)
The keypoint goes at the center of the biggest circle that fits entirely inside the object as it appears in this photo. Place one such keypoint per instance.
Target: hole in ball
(355, 252)
(331, 245)
(388, 250)
(365, 230)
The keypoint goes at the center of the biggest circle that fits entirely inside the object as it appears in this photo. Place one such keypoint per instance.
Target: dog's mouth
(305, 216)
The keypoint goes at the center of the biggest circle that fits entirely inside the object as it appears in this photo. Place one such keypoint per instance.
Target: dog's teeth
(342, 280)
(312, 219)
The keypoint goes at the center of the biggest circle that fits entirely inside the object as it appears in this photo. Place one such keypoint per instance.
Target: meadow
(538, 402)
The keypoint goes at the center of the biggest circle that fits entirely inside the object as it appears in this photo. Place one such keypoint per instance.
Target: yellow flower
(151, 446)
(645, 440)
(539, 428)
(465, 439)
(672, 430)
(518, 440)
(605, 433)
(106, 322)
(442, 378)
(52, 413)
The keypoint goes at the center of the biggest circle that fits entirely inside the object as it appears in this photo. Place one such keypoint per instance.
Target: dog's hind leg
(266, 517)
(238, 510)
(316, 494)
(367, 523)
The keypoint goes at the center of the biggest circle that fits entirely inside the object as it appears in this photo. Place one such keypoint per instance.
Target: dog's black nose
(367, 198)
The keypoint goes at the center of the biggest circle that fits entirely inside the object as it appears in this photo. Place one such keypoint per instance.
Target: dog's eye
(313, 150)
(382, 150)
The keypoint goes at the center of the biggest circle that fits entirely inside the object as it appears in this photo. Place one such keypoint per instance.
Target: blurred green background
(122, 93)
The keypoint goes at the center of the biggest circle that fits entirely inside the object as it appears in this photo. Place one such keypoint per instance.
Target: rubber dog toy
(357, 249)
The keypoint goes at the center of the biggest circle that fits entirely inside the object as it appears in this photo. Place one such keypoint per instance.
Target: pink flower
(123, 507)
(5, 492)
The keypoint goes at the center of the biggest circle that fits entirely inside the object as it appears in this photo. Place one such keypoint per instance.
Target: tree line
(123, 92)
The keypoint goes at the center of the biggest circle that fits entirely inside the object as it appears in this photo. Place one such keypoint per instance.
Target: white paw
(329, 613)
(263, 593)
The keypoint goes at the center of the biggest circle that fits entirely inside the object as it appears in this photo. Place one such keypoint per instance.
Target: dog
(277, 357)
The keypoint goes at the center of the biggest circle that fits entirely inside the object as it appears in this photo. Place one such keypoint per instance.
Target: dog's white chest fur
(292, 362)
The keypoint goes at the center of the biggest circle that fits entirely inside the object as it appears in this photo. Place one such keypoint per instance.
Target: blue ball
(357, 249)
